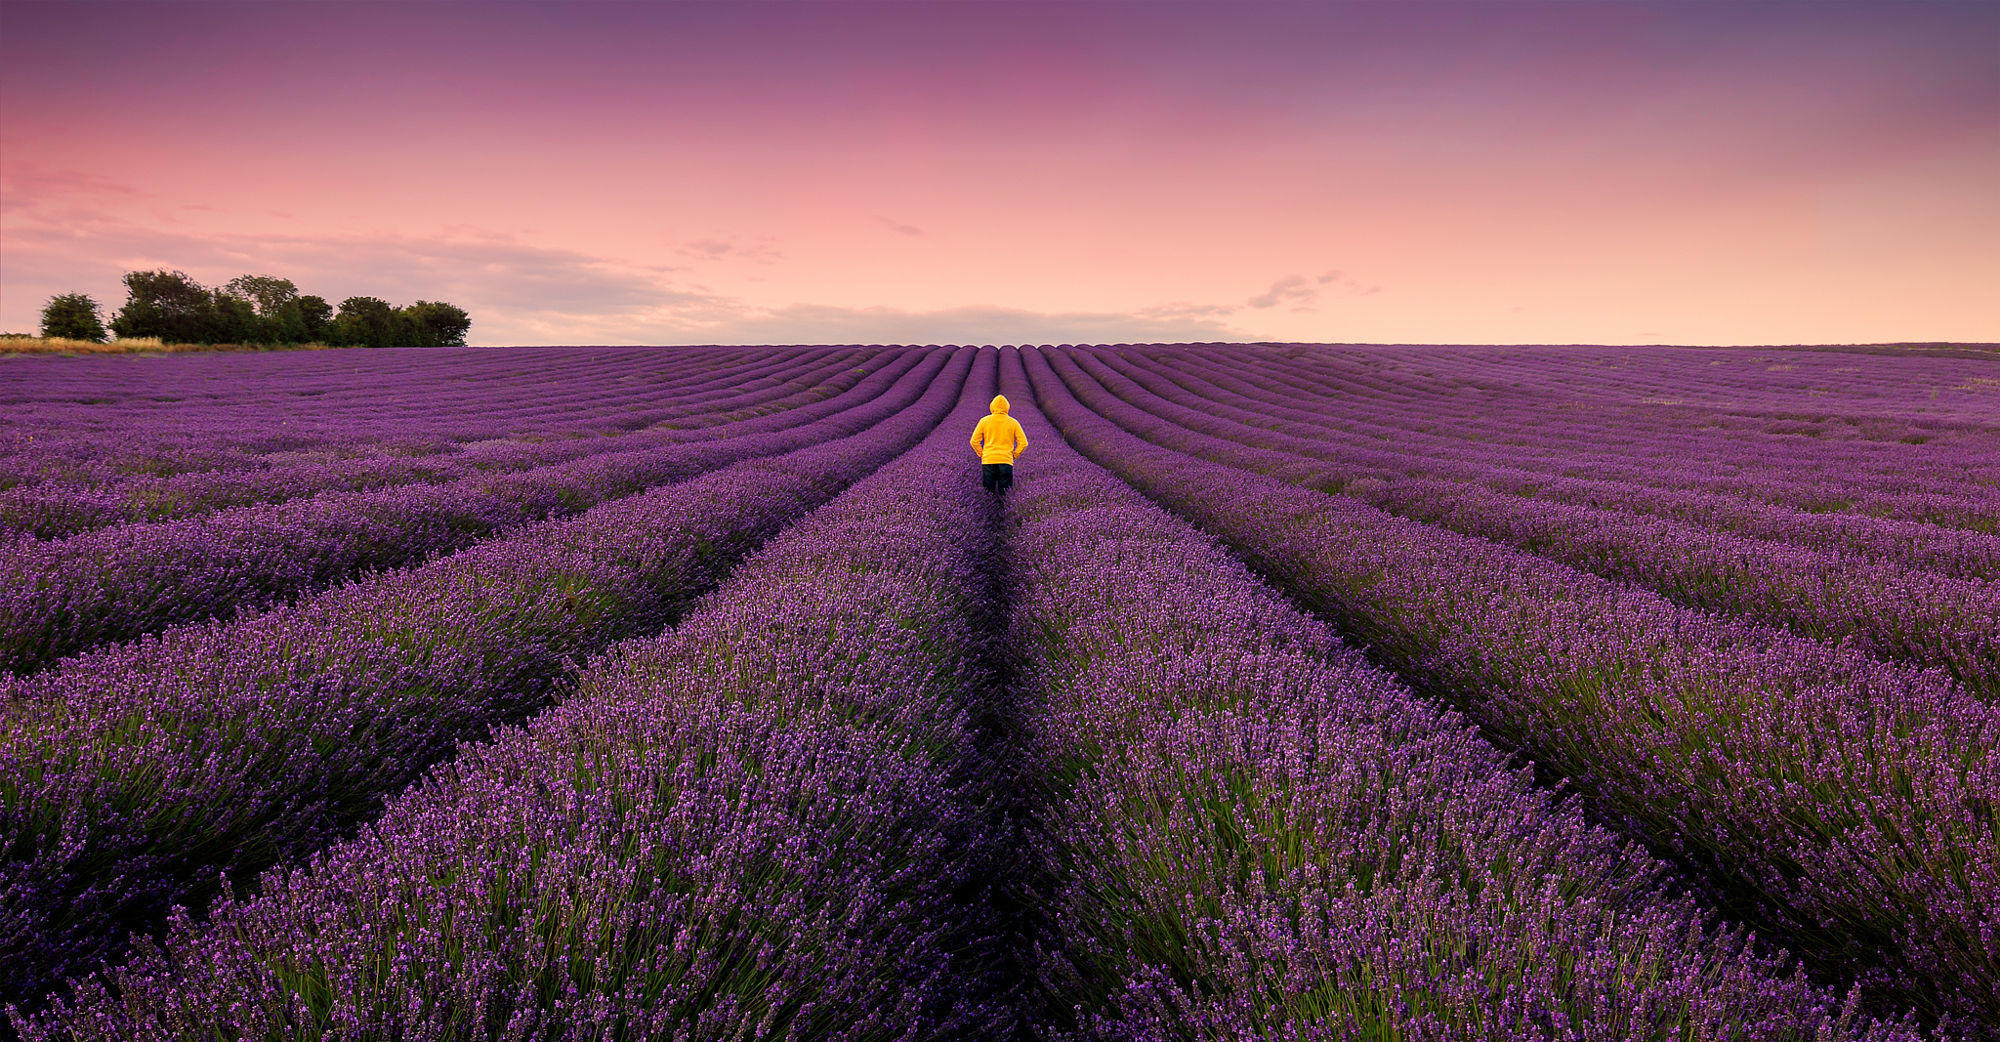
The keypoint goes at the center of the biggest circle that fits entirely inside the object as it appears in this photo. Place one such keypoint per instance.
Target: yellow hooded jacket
(999, 437)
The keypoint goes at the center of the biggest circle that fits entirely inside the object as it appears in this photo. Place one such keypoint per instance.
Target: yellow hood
(999, 437)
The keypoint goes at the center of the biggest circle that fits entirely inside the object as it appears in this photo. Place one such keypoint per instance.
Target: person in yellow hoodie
(998, 441)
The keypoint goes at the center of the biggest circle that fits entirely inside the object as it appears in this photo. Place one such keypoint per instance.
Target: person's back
(998, 441)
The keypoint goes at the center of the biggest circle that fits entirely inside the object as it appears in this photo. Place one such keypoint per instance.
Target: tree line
(253, 309)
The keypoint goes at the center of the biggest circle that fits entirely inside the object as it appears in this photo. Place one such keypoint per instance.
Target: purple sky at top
(1618, 171)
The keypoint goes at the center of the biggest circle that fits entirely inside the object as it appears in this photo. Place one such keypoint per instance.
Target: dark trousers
(997, 477)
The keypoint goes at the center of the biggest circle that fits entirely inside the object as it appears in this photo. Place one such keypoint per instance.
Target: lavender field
(1292, 692)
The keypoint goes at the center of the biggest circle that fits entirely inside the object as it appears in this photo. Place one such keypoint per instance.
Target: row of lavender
(603, 422)
(1938, 471)
(61, 597)
(131, 777)
(1259, 835)
(1720, 457)
(1898, 385)
(97, 420)
(1846, 805)
(1274, 404)
(1822, 435)
(1921, 472)
(769, 822)
(1895, 609)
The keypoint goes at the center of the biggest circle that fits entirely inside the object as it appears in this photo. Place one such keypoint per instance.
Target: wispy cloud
(899, 227)
(1301, 291)
(504, 281)
(760, 249)
(1182, 309)
(522, 293)
(28, 184)
(1296, 288)
(821, 323)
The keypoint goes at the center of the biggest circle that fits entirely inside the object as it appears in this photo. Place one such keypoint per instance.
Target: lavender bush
(764, 823)
(1531, 454)
(61, 597)
(130, 778)
(618, 693)
(1899, 437)
(1261, 836)
(1845, 803)
(104, 419)
(1890, 609)
(604, 422)
(98, 421)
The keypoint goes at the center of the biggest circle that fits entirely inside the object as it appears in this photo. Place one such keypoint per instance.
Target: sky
(1395, 171)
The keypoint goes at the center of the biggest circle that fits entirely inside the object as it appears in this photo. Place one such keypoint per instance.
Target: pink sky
(1493, 172)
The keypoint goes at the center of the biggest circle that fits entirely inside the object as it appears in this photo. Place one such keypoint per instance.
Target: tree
(268, 292)
(437, 324)
(277, 320)
(368, 322)
(168, 305)
(266, 309)
(72, 316)
(315, 314)
(234, 321)
(286, 325)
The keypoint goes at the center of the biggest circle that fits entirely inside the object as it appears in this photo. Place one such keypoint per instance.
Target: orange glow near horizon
(1484, 173)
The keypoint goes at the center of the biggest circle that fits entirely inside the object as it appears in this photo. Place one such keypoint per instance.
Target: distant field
(1294, 691)
(16, 344)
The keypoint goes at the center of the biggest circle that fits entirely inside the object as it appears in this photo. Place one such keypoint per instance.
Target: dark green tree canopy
(314, 313)
(438, 324)
(366, 322)
(72, 316)
(259, 309)
(168, 305)
(268, 293)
